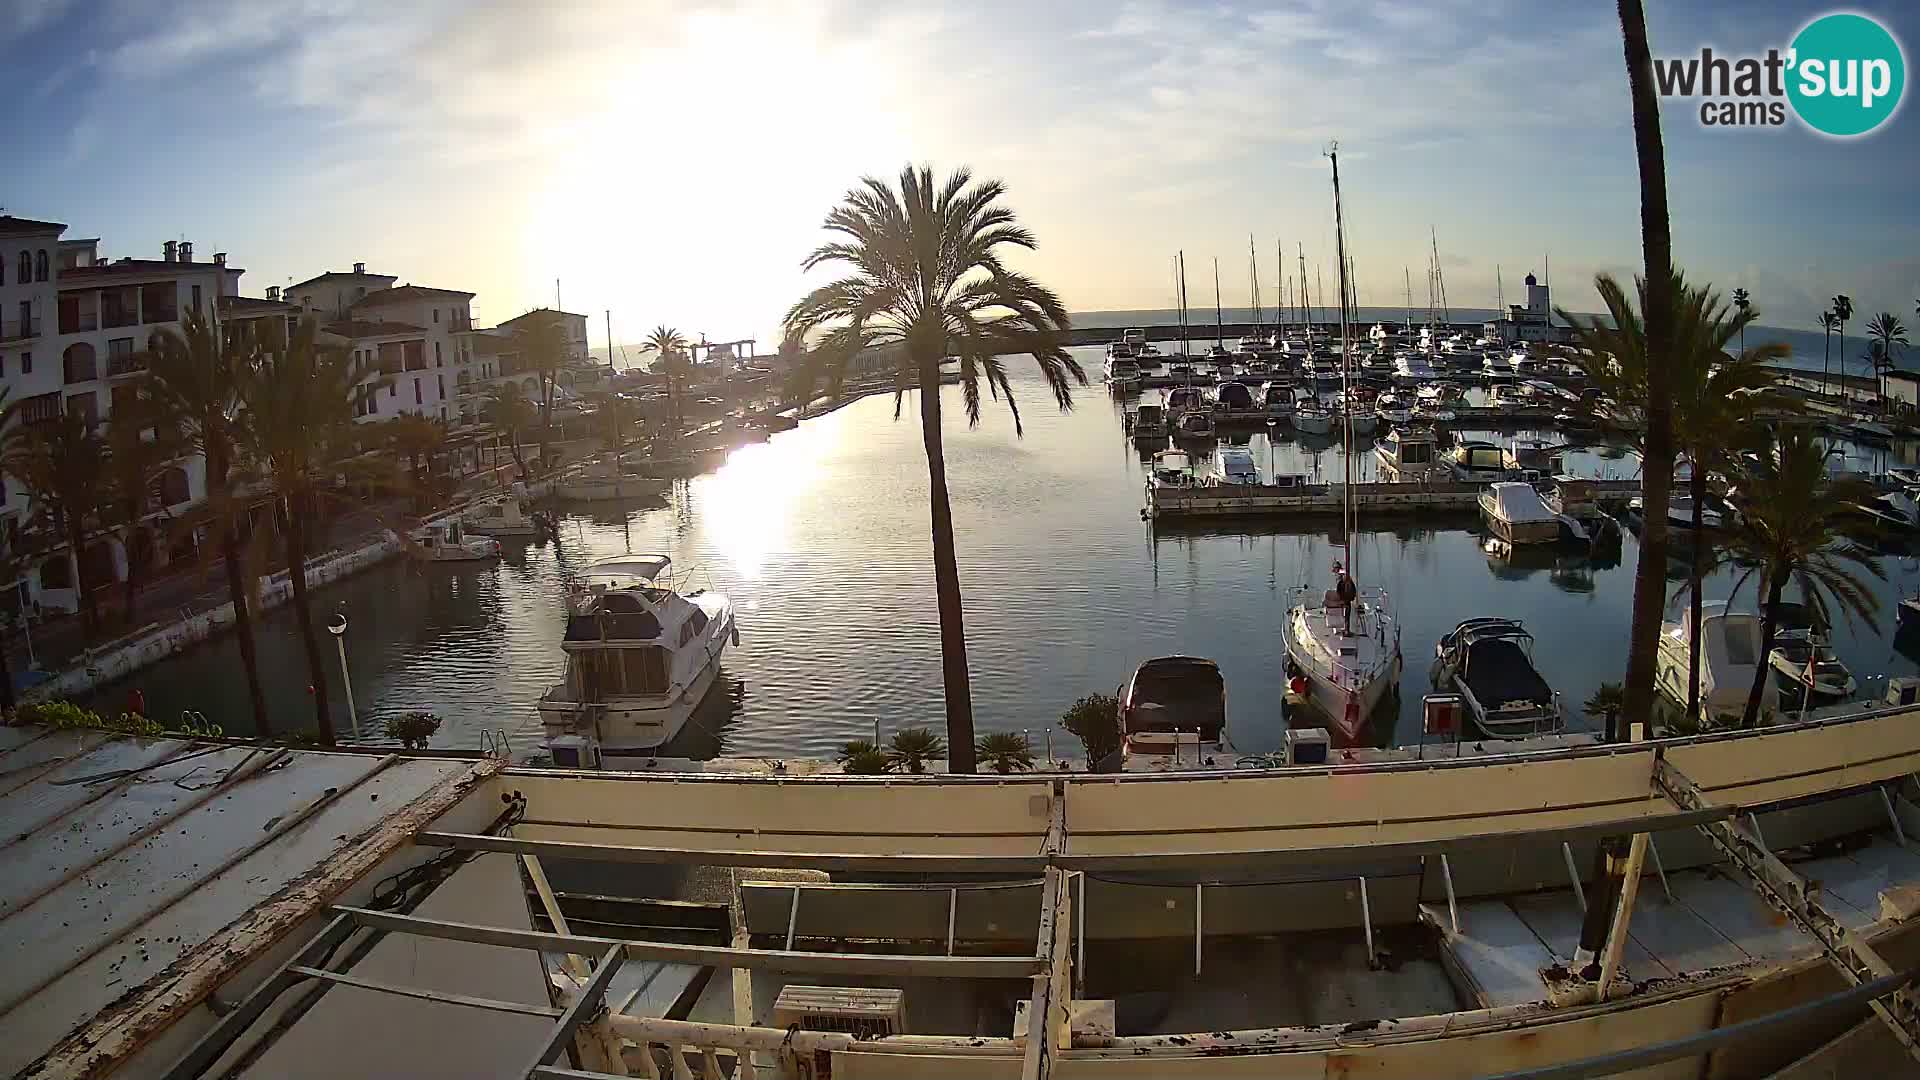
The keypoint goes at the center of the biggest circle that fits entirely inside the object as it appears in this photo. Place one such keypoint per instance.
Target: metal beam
(790, 860)
(214, 1043)
(588, 1001)
(423, 994)
(1037, 1062)
(1789, 894)
(951, 967)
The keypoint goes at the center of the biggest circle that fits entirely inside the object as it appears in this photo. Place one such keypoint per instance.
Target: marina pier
(1279, 500)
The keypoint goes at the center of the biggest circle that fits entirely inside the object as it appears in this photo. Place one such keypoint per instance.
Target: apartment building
(411, 343)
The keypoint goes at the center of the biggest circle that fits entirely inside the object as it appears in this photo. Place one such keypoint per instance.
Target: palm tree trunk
(1763, 670)
(1649, 584)
(89, 607)
(1698, 570)
(297, 521)
(946, 579)
(133, 570)
(6, 669)
(1826, 356)
(237, 591)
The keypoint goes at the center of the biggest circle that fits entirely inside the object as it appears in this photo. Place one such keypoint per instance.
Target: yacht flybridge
(641, 657)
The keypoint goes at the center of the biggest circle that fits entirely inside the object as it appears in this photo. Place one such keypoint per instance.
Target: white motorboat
(1730, 645)
(1496, 367)
(1249, 346)
(1412, 369)
(1895, 511)
(641, 656)
(604, 481)
(1173, 708)
(1679, 513)
(1410, 454)
(1807, 662)
(446, 541)
(1477, 462)
(1172, 469)
(1122, 371)
(1182, 399)
(1311, 417)
(1489, 663)
(1120, 350)
(1277, 399)
(1540, 455)
(504, 517)
(1515, 513)
(1194, 424)
(1237, 467)
(1392, 409)
(1234, 396)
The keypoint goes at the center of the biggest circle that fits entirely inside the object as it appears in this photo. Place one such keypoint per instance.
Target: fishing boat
(641, 657)
(1149, 422)
(1515, 513)
(1172, 469)
(447, 541)
(1807, 663)
(1344, 646)
(504, 517)
(1410, 454)
(1237, 467)
(606, 481)
(1489, 663)
(1730, 647)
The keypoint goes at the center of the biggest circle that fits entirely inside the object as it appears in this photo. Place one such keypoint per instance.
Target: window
(26, 318)
(40, 265)
(393, 390)
(436, 354)
(172, 487)
(441, 381)
(196, 298)
(373, 403)
(417, 399)
(56, 573)
(159, 302)
(24, 268)
(78, 361)
(436, 317)
(120, 307)
(26, 363)
(40, 407)
(644, 670)
(415, 353)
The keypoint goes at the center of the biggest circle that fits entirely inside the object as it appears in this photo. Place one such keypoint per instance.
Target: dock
(1266, 500)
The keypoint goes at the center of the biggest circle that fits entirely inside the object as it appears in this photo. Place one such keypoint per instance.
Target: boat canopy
(1519, 503)
(1178, 693)
(626, 570)
(1499, 672)
(1236, 396)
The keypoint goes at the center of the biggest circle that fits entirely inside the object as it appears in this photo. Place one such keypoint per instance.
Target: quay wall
(1226, 500)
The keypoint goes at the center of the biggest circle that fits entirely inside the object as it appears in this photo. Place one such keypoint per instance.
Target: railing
(125, 364)
(12, 329)
(80, 323)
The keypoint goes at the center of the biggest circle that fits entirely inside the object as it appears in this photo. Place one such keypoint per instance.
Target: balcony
(79, 322)
(120, 364)
(19, 329)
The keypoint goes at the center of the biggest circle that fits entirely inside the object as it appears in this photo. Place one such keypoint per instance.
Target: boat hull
(608, 491)
(1523, 532)
(634, 725)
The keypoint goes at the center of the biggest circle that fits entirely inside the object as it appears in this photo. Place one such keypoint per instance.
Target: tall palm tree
(61, 461)
(140, 447)
(1885, 330)
(542, 342)
(614, 416)
(193, 375)
(509, 412)
(1656, 241)
(1827, 325)
(1842, 311)
(1742, 302)
(417, 438)
(1798, 523)
(672, 348)
(299, 399)
(928, 283)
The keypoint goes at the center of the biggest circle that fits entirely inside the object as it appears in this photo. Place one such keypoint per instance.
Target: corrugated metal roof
(140, 873)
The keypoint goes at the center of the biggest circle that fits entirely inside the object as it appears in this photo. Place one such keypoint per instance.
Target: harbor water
(820, 537)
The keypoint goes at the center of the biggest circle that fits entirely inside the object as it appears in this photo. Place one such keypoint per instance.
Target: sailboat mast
(1320, 287)
(1182, 257)
(1279, 267)
(1440, 277)
(1219, 327)
(1499, 292)
(1346, 344)
(1306, 314)
(1253, 285)
(1406, 275)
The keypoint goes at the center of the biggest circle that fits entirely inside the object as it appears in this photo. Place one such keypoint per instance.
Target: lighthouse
(1536, 297)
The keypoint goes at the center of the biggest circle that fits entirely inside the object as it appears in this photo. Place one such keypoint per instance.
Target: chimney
(186, 251)
(360, 268)
(219, 258)
(273, 292)
(167, 251)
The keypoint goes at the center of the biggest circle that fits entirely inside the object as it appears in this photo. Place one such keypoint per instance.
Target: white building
(497, 359)
(411, 343)
(1532, 321)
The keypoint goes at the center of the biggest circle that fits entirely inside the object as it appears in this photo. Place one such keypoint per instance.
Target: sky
(672, 162)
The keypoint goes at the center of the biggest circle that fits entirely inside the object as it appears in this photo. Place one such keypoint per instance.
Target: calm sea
(820, 538)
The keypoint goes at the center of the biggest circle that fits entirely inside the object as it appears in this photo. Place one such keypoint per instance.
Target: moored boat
(1173, 707)
(1489, 663)
(1730, 647)
(1514, 512)
(446, 541)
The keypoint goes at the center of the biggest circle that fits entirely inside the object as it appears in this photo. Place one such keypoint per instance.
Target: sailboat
(1345, 644)
(1218, 354)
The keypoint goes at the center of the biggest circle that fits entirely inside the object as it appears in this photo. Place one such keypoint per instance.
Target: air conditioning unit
(574, 752)
(1308, 746)
(865, 1012)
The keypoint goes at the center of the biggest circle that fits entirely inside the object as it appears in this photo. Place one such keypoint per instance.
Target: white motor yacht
(1172, 469)
(1412, 369)
(605, 481)
(1730, 644)
(446, 541)
(1515, 513)
(503, 517)
(1476, 462)
(641, 656)
(1122, 371)
(1392, 409)
(1410, 454)
(1496, 366)
(1120, 350)
(1346, 645)
(1237, 467)
(1150, 422)
(1172, 711)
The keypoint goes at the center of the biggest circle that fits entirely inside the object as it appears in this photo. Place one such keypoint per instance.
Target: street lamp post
(337, 626)
(1272, 477)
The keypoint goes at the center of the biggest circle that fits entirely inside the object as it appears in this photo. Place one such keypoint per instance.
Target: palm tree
(1827, 326)
(193, 375)
(1715, 399)
(1742, 301)
(1886, 330)
(863, 758)
(62, 463)
(911, 748)
(1004, 751)
(928, 283)
(542, 342)
(1605, 703)
(1798, 523)
(416, 438)
(614, 415)
(140, 449)
(668, 344)
(299, 399)
(1656, 240)
(1842, 311)
(510, 413)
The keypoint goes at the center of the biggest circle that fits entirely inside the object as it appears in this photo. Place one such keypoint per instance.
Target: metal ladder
(1788, 894)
